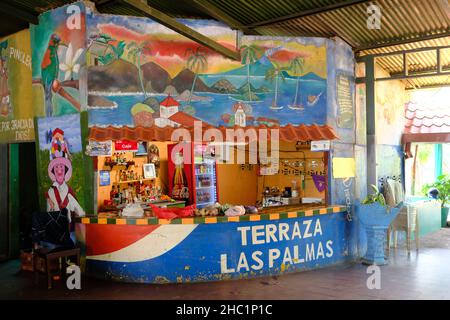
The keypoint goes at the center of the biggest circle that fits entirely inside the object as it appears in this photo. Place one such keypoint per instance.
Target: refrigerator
(193, 174)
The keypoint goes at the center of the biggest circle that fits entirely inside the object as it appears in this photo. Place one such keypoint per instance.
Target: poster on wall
(59, 56)
(61, 171)
(142, 74)
(99, 148)
(105, 178)
(16, 109)
(345, 102)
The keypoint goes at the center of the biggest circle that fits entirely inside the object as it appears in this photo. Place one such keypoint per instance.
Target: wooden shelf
(132, 181)
(116, 164)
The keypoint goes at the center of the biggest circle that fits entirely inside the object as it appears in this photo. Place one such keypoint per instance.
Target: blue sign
(217, 251)
(105, 178)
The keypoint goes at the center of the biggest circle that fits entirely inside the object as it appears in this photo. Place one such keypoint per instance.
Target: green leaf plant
(443, 185)
(377, 196)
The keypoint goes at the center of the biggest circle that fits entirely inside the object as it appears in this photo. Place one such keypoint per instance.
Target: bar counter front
(277, 240)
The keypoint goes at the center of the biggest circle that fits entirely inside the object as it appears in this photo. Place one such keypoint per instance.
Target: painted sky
(168, 49)
(70, 124)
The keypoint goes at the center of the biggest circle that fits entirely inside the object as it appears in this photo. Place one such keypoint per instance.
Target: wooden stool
(49, 257)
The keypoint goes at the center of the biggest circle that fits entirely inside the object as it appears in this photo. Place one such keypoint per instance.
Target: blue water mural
(218, 104)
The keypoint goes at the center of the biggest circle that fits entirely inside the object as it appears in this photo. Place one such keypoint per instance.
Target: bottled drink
(180, 189)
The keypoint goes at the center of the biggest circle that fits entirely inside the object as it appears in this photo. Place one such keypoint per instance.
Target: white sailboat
(312, 100)
(275, 107)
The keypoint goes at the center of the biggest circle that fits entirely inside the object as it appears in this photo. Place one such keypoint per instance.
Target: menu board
(345, 102)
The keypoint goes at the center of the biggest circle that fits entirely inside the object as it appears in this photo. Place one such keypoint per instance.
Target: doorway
(28, 192)
(18, 197)
(4, 220)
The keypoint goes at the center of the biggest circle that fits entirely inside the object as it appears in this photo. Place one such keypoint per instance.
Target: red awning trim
(286, 133)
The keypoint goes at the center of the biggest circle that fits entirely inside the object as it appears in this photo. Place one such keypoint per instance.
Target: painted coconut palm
(135, 53)
(249, 54)
(196, 63)
(274, 73)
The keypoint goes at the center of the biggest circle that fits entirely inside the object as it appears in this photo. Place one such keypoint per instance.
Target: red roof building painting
(426, 124)
(169, 102)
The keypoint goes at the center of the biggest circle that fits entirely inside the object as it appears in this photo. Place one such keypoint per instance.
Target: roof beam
(19, 13)
(182, 29)
(307, 13)
(404, 41)
(219, 15)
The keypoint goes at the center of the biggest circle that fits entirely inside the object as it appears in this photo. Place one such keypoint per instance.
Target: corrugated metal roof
(403, 21)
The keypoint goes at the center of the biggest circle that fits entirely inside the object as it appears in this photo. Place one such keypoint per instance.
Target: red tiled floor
(420, 276)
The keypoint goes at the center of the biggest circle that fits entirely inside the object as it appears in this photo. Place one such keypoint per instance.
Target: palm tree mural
(249, 54)
(296, 68)
(273, 74)
(196, 63)
(135, 52)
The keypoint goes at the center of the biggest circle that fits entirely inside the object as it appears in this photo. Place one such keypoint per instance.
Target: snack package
(172, 213)
(235, 211)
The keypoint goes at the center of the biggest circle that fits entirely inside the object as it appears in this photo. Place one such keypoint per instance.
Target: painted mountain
(183, 81)
(118, 76)
(158, 77)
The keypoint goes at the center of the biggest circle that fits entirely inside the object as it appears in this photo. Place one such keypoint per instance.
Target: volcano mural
(137, 64)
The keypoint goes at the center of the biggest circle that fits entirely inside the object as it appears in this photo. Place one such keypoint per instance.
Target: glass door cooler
(193, 175)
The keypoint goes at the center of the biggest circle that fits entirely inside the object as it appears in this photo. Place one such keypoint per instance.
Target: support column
(370, 123)
(438, 160)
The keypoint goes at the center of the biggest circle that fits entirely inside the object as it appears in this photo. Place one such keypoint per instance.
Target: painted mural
(142, 74)
(390, 109)
(59, 55)
(16, 109)
(60, 162)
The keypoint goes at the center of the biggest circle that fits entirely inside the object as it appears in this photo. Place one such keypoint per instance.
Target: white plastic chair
(406, 221)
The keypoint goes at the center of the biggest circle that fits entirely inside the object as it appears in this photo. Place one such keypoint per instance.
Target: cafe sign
(126, 145)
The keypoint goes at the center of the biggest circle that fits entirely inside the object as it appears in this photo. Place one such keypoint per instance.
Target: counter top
(270, 213)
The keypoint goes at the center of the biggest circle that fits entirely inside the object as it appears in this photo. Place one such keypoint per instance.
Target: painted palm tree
(196, 63)
(272, 74)
(296, 68)
(249, 55)
(135, 52)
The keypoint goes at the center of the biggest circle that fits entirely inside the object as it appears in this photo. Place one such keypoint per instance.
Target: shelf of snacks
(113, 164)
(133, 181)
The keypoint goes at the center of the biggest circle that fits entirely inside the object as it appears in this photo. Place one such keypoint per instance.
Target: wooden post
(413, 180)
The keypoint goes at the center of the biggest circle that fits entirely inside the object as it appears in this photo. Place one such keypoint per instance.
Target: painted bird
(49, 71)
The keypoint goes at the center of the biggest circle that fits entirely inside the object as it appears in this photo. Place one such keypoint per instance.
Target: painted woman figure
(60, 195)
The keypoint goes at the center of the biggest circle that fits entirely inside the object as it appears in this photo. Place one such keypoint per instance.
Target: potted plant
(376, 217)
(442, 184)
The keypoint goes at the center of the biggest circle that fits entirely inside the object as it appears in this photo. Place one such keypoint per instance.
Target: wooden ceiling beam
(307, 13)
(219, 15)
(182, 29)
(8, 8)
